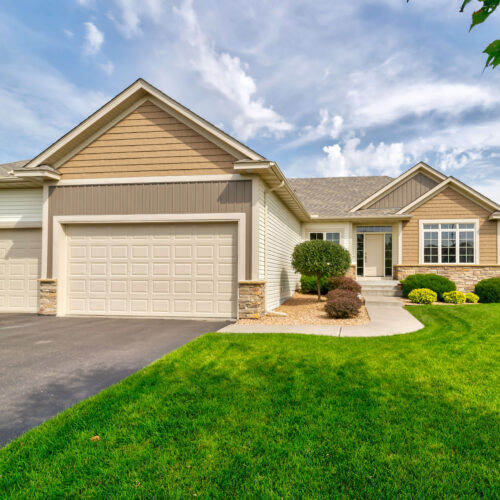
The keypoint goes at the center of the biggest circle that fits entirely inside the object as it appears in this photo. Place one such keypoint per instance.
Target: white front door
(374, 255)
(187, 270)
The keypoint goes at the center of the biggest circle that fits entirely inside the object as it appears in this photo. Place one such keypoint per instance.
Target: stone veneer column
(48, 297)
(351, 273)
(251, 299)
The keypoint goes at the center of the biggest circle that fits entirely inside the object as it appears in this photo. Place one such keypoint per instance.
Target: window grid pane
(466, 247)
(335, 237)
(359, 254)
(374, 229)
(431, 251)
(315, 236)
(448, 247)
(388, 254)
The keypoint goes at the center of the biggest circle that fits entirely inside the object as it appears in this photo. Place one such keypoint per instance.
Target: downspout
(282, 183)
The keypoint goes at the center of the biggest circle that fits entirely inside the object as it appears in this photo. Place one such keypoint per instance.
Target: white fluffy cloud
(132, 12)
(328, 127)
(350, 159)
(94, 38)
(228, 76)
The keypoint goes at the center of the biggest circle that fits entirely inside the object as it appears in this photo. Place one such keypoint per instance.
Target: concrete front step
(380, 288)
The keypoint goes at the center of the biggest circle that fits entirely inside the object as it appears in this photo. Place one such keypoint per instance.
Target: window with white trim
(335, 237)
(449, 243)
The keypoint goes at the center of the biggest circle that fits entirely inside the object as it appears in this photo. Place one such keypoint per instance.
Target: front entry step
(380, 288)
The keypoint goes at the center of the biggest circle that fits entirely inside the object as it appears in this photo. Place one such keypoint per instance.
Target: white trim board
(164, 179)
(59, 245)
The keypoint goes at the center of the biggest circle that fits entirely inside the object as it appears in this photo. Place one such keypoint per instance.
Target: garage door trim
(60, 243)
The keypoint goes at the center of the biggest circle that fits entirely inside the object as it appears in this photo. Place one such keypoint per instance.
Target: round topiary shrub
(320, 258)
(488, 290)
(422, 296)
(434, 282)
(472, 298)
(454, 297)
(343, 283)
(308, 285)
(342, 304)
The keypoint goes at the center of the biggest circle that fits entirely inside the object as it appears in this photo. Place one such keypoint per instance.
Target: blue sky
(324, 88)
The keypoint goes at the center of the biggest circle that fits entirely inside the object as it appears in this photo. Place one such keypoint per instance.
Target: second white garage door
(152, 270)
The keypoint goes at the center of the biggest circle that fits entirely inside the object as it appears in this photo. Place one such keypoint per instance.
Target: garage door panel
(20, 256)
(153, 269)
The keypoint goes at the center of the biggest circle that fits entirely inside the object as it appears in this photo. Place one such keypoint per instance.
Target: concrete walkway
(387, 317)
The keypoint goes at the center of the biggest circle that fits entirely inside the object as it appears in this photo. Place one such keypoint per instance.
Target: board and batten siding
(155, 198)
(20, 205)
(450, 204)
(407, 192)
(283, 233)
(148, 142)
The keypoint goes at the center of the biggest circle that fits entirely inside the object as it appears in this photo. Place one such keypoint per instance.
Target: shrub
(343, 283)
(422, 296)
(342, 304)
(454, 297)
(434, 282)
(320, 258)
(472, 298)
(308, 284)
(488, 290)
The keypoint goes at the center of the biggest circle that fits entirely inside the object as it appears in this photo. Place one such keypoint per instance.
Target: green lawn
(285, 416)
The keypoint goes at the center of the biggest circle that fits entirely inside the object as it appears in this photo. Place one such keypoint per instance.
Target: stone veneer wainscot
(465, 277)
(251, 299)
(48, 297)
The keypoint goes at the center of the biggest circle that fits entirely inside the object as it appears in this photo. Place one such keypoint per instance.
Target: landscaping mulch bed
(304, 309)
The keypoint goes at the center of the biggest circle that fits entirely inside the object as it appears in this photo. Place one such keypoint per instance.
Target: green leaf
(464, 5)
(479, 16)
(493, 51)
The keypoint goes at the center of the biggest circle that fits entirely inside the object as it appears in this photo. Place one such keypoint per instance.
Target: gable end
(406, 192)
(148, 142)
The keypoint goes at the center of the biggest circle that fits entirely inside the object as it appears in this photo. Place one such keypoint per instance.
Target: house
(147, 209)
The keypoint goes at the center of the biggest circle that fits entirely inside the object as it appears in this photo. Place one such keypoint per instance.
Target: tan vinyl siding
(156, 198)
(148, 142)
(407, 192)
(449, 204)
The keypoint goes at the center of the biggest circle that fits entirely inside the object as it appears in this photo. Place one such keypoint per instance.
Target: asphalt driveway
(48, 364)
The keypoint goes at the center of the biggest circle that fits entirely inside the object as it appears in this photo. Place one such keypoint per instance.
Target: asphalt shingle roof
(5, 168)
(334, 196)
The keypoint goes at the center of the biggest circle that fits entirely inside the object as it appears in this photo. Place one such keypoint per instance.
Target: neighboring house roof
(5, 168)
(329, 197)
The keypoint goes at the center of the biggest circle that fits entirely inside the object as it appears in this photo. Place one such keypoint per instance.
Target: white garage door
(20, 255)
(152, 270)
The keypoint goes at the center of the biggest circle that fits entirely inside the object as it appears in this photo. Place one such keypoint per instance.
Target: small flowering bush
(422, 296)
(343, 283)
(454, 297)
(472, 298)
(342, 304)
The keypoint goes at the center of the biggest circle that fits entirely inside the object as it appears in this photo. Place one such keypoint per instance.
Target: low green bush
(342, 304)
(344, 283)
(454, 297)
(434, 282)
(488, 290)
(422, 296)
(472, 298)
(308, 285)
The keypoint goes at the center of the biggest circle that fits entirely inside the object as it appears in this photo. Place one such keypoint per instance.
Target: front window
(449, 243)
(334, 237)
